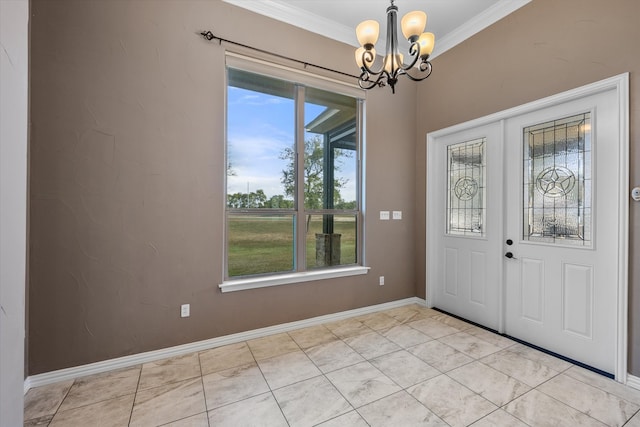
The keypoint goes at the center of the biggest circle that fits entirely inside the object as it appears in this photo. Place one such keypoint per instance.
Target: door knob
(509, 255)
(509, 242)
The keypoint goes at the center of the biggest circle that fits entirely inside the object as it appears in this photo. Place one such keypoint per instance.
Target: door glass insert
(557, 181)
(466, 188)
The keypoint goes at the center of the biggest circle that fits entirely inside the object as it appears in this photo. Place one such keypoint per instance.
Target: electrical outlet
(185, 310)
(384, 215)
(397, 214)
(381, 280)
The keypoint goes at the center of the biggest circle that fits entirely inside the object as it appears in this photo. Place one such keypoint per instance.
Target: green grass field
(264, 244)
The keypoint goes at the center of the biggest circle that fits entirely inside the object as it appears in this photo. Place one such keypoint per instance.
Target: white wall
(14, 96)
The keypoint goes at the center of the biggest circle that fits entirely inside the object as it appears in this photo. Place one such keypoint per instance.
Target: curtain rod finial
(207, 35)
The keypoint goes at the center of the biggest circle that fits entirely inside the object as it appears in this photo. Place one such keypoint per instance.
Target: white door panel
(561, 287)
(468, 226)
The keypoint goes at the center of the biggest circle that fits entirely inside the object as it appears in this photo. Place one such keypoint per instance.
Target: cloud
(258, 180)
(251, 150)
(255, 99)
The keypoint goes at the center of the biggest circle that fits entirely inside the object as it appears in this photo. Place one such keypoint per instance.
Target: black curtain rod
(208, 35)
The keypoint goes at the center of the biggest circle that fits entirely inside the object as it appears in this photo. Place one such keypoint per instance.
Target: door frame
(618, 83)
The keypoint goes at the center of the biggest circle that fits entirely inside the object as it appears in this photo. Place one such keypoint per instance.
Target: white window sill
(285, 279)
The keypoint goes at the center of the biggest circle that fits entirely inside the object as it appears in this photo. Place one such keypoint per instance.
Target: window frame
(300, 273)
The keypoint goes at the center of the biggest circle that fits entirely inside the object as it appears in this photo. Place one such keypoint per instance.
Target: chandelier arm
(424, 65)
(362, 82)
(427, 69)
(415, 47)
(369, 55)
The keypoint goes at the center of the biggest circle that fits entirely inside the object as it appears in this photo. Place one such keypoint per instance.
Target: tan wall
(127, 162)
(127, 170)
(544, 48)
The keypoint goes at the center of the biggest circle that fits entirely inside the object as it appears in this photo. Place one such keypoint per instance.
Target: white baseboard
(633, 381)
(150, 356)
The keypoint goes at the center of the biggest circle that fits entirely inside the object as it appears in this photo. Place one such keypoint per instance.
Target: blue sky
(259, 128)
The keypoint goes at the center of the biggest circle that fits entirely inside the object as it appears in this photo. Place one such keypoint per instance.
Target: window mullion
(360, 202)
(301, 223)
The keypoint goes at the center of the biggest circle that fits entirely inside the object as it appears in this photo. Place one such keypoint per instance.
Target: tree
(344, 205)
(230, 171)
(313, 173)
(255, 199)
(279, 202)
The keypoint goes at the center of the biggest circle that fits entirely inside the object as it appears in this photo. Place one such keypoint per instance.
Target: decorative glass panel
(557, 181)
(466, 188)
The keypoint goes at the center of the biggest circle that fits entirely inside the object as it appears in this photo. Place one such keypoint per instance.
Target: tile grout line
(400, 348)
(135, 394)
(86, 404)
(631, 417)
(324, 374)
(204, 392)
(565, 404)
(286, 420)
(479, 360)
(600, 388)
(255, 362)
(61, 401)
(571, 406)
(558, 373)
(473, 359)
(405, 389)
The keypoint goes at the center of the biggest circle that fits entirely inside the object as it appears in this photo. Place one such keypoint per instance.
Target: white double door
(523, 226)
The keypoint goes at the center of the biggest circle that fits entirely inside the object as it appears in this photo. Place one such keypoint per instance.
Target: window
(293, 176)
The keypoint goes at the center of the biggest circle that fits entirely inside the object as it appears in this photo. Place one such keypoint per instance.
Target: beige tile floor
(409, 366)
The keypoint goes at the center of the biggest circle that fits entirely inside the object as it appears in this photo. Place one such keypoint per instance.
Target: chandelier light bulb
(367, 32)
(413, 24)
(427, 42)
(389, 67)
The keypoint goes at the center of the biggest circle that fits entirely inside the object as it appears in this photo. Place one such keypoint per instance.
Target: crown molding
(477, 24)
(298, 17)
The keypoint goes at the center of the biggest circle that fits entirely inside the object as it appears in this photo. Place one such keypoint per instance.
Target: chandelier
(413, 25)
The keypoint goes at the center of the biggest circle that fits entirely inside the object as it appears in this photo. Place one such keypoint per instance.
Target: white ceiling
(452, 21)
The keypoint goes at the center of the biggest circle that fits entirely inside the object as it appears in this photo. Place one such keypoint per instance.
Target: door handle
(510, 255)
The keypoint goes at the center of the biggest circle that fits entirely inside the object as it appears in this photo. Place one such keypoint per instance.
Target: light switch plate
(384, 215)
(397, 214)
(185, 310)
